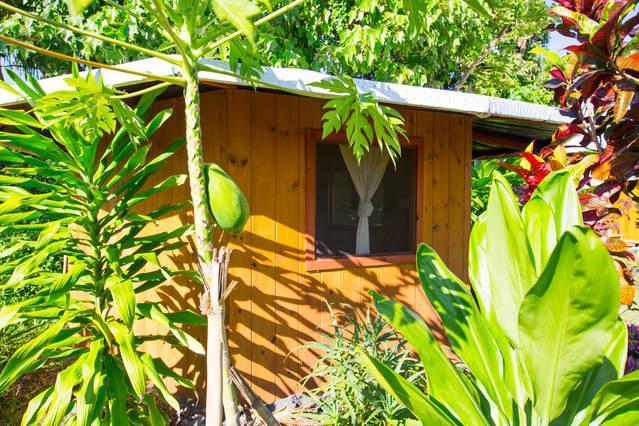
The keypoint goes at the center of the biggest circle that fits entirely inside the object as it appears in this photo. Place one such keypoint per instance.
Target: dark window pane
(392, 224)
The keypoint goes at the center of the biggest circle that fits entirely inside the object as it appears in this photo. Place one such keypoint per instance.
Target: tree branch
(480, 58)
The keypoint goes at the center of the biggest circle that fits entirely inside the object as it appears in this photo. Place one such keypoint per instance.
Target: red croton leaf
(566, 131)
(588, 49)
(589, 83)
(610, 190)
(627, 27)
(557, 73)
(629, 62)
(568, 4)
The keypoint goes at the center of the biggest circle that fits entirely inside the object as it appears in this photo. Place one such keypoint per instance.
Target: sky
(558, 42)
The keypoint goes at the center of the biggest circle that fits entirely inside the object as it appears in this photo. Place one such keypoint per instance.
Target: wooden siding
(258, 137)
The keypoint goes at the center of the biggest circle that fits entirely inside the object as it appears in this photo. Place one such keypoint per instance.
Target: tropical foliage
(482, 176)
(542, 340)
(122, 20)
(597, 82)
(346, 395)
(444, 40)
(94, 152)
(423, 43)
(193, 30)
(598, 211)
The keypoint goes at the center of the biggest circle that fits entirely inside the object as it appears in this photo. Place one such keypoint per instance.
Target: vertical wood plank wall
(258, 137)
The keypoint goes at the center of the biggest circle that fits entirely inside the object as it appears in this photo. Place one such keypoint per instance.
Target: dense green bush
(482, 176)
(347, 394)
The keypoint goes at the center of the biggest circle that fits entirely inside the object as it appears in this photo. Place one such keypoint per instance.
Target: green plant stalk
(214, 367)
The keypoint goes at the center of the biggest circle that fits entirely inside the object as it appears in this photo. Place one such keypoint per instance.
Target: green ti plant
(94, 152)
(540, 336)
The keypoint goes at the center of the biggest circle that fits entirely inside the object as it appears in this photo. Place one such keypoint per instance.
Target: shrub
(93, 150)
(347, 394)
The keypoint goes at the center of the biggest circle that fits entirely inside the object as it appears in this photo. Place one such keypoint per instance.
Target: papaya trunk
(197, 180)
(229, 402)
(214, 368)
(204, 244)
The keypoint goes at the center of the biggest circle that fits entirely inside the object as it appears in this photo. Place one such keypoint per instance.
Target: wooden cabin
(298, 251)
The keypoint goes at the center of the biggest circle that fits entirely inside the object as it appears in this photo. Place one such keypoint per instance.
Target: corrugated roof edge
(299, 80)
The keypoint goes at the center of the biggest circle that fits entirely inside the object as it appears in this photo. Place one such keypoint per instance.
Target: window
(345, 229)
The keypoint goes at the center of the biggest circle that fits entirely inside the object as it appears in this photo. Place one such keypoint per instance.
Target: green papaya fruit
(226, 200)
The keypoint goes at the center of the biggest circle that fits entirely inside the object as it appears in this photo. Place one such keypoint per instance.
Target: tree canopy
(374, 39)
(121, 19)
(362, 38)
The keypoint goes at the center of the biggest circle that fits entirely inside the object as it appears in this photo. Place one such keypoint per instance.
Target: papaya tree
(194, 29)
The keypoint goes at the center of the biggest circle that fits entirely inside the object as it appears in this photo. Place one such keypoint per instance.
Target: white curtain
(366, 177)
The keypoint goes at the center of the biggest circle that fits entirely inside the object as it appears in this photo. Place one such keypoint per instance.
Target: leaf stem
(91, 34)
(61, 56)
(143, 91)
(166, 25)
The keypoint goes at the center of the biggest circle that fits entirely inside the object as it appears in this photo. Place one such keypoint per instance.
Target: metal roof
(502, 116)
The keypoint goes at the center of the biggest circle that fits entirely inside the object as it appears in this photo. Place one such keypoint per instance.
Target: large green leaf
(508, 260)
(152, 311)
(614, 398)
(66, 281)
(29, 354)
(124, 298)
(540, 230)
(426, 410)
(447, 384)
(36, 408)
(62, 392)
(478, 272)
(470, 338)
(154, 377)
(567, 320)
(132, 363)
(117, 391)
(579, 405)
(92, 395)
(553, 208)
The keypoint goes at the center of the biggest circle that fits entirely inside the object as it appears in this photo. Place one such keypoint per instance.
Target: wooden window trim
(313, 264)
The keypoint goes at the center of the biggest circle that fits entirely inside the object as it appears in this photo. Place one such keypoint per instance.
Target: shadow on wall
(277, 306)
(269, 324)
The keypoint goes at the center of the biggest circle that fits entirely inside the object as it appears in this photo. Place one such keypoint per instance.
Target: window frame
(314, 264)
